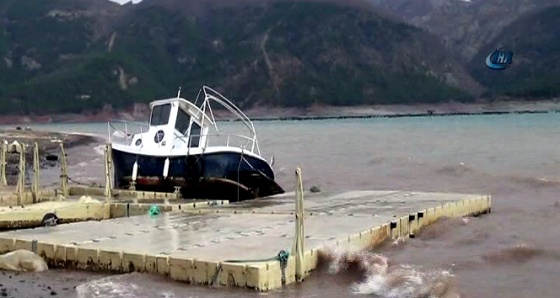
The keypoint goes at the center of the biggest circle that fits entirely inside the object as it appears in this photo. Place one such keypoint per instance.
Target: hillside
(471, 30)
(81, 55)
(535, 73)
(465, 26)
(46, 48)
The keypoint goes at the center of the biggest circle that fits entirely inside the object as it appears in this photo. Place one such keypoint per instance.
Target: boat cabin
(178, 127)
(175, 123)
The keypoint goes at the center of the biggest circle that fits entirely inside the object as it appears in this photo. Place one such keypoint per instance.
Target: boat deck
(237, 244)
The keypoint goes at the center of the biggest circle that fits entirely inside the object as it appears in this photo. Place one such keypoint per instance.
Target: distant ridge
(94, 56)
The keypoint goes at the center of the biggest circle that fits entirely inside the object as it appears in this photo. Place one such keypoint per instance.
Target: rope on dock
(281, 257)
(93, 184)
(298, 246)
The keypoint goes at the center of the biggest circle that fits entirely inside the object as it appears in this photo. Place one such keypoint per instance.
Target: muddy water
(513, 252)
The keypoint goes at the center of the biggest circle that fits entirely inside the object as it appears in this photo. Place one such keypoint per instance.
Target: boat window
(194, 135)
(160, 114)
(183, 121)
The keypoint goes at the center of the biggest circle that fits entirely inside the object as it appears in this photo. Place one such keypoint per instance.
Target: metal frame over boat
(183, 148)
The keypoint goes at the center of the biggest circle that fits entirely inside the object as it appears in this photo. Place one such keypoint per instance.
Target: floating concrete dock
(261, 244)
(239, 244)
(76, 210)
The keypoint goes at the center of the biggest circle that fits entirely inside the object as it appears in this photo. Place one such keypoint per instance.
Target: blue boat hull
(224, 175)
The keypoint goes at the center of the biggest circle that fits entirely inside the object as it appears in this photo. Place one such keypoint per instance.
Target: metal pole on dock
(35, 185)
(21, 177)
(3, 181)
(299, 241)
(108, 164)
(63, 171)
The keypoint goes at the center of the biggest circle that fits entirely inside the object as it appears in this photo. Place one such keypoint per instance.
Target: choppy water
(513, 252)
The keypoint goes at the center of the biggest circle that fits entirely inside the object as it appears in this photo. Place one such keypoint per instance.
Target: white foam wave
(381, 280)
(133, 285)
(96, 135)
(108, 287)
(99, 149)
(408, 282)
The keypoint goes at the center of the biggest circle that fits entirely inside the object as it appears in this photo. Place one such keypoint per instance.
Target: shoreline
(49, 147)
(47, 140)
(427, 114)
(318, 112)
(399, 111)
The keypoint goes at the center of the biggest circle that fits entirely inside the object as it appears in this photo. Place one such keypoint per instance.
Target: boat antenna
(196, 100)
(179, 92)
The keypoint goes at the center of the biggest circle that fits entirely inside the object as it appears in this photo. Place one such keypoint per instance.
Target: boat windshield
(194, 137)
(160, 114)
(182, 122)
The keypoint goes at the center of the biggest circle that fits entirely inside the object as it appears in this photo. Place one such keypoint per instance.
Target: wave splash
(380, 279)
(535, 182)
(121, 286)
(99, 149)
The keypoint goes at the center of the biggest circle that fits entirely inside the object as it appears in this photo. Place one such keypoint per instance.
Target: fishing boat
(182, 149)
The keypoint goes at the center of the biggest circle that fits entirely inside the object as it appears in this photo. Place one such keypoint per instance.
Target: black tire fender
(49, 219)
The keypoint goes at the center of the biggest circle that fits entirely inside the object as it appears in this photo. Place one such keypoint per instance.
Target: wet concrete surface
(249, 230)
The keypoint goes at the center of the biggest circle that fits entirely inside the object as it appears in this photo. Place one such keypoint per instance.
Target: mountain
(534, 40)
(61, 56)
(465, 26)
(472, 29)
(47, 51)
(85, 56)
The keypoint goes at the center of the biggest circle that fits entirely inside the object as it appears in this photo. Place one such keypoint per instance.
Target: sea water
(512, 252)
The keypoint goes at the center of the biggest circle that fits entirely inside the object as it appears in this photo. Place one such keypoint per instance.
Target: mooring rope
(281, 257)
(238, 171)
(93, 184)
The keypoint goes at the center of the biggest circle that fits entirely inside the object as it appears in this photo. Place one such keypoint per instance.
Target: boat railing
(211, 95)
(122, 132)
(227, 139)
